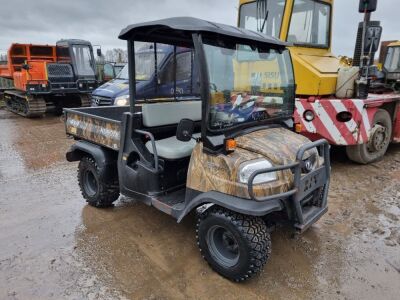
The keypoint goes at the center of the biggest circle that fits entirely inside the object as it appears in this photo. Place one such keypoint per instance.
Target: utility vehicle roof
(180, 29)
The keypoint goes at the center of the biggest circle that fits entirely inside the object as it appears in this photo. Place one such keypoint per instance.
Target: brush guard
(311, 187)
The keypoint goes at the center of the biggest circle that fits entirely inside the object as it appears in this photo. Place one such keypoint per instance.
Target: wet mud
(54, 246)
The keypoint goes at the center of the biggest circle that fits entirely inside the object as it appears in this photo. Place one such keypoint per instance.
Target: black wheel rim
(90, 183)
(223, 246)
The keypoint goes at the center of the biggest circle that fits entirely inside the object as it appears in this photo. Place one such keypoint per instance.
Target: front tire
(375, 149)
(97, 191)
(235, 246)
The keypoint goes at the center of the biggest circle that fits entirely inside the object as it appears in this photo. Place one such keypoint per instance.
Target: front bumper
(306, 202)
(80, 86)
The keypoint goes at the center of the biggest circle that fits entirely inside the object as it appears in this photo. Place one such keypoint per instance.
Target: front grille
(60, 73)
(101, 101)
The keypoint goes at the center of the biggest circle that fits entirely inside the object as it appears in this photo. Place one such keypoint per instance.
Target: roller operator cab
(306, 24)
(228, 153)
(154, 67)
(391, 65)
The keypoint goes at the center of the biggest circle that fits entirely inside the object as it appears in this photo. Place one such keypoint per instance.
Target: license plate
(311, 182)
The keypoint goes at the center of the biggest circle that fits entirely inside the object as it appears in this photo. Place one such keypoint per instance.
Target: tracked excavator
(48, 78)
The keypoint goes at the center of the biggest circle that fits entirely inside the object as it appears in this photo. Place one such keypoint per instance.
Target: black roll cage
(200, 57)
(203, 74)
(189, 32)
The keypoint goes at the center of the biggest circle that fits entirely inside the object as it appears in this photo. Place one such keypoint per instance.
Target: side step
(171, 202)
(311, 215)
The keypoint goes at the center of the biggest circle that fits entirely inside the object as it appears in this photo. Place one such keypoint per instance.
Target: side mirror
(372, 38)
(185, 130)
(367, 6)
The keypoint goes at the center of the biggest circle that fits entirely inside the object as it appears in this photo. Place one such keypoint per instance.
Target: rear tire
(236, 246)
(375, 149)
(97, 191)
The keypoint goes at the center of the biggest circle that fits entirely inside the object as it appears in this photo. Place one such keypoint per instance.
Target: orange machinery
(20, 56)
(49, 77)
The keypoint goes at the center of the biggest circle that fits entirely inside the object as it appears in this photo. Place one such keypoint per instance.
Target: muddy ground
(53, 246)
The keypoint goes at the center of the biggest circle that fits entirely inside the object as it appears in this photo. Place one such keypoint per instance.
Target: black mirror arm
(197, 139)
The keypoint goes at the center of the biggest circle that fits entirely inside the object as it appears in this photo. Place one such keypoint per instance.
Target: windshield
(144, 62)
(83, 60)
(63, 54)
(272, 27)
(248, 85)
(118, 69)
(392, 62)
(310, 23)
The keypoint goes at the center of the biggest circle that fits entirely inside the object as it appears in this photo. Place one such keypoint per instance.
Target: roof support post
(132, 75)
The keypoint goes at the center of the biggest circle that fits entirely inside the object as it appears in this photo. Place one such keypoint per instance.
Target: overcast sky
(100, 21)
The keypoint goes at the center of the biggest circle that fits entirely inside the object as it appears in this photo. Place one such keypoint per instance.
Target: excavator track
(25, 105)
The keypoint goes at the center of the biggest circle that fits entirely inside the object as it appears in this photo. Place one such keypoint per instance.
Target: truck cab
(79, 55)
(155, 66)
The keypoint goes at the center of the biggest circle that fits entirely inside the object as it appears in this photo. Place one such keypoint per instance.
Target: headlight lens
(309, 115)
(248, 168)
(310, 163)
(122, 100)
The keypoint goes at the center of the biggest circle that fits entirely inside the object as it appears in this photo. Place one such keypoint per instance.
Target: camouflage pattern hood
(279, 145)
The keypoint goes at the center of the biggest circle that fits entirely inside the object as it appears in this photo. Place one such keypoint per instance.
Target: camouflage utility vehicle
(226, 151)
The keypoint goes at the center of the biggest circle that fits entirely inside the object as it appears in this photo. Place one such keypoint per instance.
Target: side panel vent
(60, 73)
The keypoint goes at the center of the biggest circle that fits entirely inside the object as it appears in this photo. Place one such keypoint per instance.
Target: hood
(279, 145)
(113, 88)
(118, 87)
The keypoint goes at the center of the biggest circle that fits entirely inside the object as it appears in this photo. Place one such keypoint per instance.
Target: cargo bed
(100, 125)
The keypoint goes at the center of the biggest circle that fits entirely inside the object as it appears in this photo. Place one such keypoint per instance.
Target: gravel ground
(53, 246)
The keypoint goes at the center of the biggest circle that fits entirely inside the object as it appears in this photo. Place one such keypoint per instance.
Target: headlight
(310, 163)
(122, 100)
(248, 168)
(308, 115)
